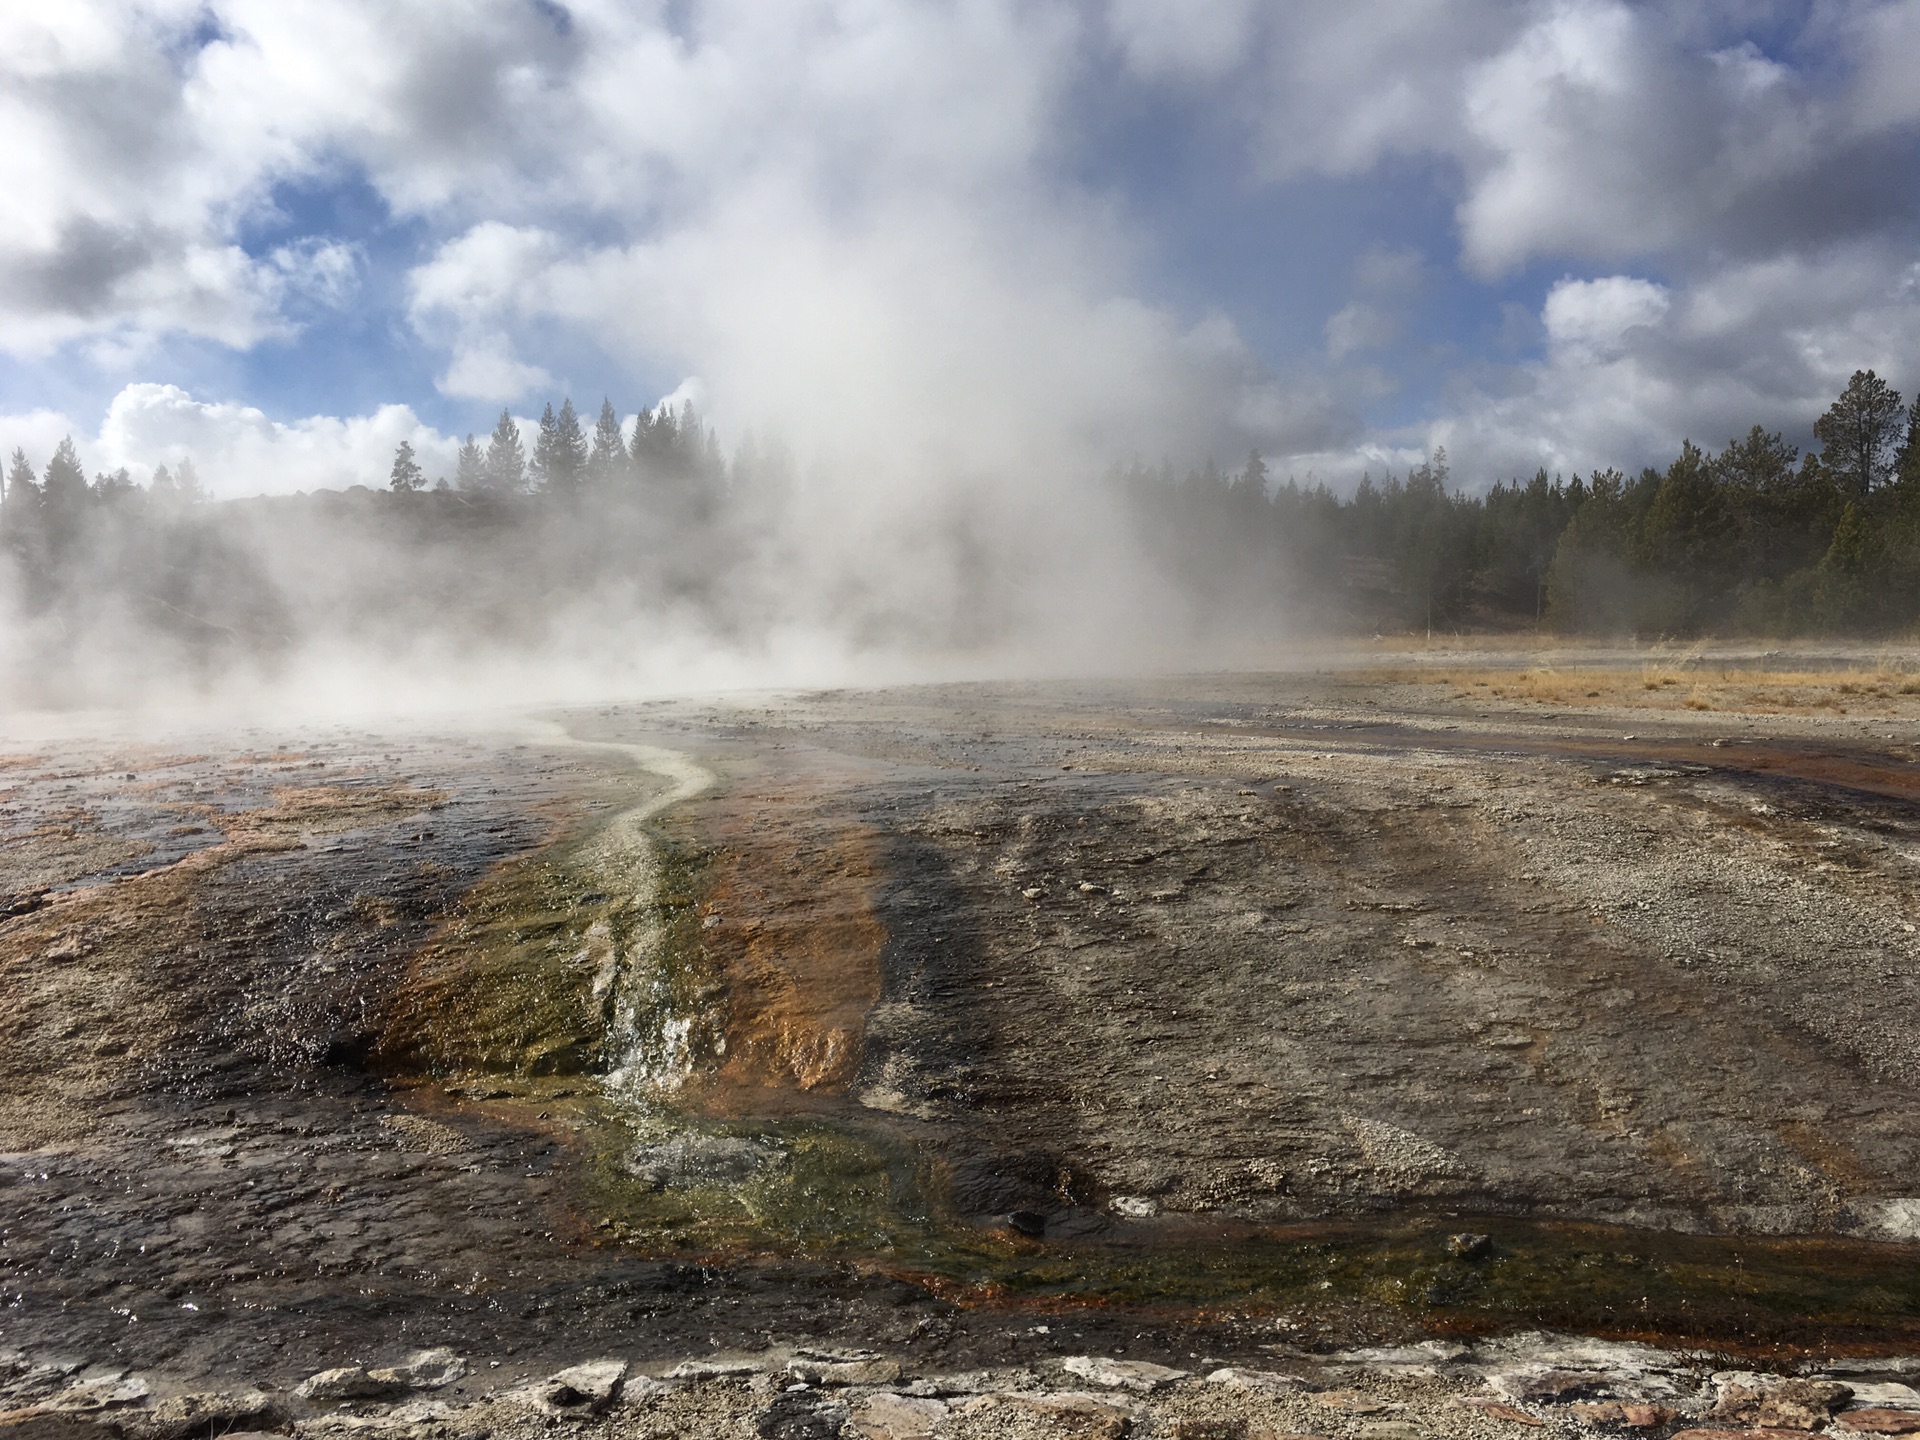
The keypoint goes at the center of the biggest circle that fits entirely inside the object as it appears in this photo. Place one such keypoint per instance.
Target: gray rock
(734, 1365)
(348, 1382)
(579, 1389)
(1140, 1376)
(101, 1392)
(181, 1417)
(847, 1372)
(423, 1370)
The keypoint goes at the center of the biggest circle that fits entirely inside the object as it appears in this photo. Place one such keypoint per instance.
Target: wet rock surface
(1203, 1025)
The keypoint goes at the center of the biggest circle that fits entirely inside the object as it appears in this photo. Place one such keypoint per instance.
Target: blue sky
(941, 238)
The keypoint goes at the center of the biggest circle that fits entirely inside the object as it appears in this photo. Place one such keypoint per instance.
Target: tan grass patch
(1879, 690)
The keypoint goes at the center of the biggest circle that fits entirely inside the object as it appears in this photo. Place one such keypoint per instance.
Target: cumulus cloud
(236, 449)
(862, 222)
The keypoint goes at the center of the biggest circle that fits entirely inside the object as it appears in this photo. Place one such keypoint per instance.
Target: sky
(953, 237)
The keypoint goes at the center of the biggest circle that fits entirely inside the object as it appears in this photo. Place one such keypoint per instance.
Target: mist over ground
(985, 309)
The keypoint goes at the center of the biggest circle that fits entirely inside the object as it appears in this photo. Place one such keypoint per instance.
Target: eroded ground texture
(1215, 1022)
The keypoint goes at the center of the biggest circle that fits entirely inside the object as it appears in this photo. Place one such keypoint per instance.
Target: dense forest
(1755, 538)
(653, 518)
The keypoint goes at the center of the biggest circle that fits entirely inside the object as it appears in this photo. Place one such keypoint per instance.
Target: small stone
(1880, 1421)
(887, 1416)
(1739, 1435)
(1469, 1246)
(1261, 1381)
(1030, 1223)
(579, 1389)
(1140, 1376)
(1134, 1207)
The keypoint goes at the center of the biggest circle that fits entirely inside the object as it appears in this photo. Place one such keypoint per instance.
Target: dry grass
(1880, 690)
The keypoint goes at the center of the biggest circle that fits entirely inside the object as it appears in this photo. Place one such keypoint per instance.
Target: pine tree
(188, 479)
(543, 448)
(1859, 432)
(506, 460)
(162, 487)
(470, 472)
(64, 491)
(609, 447)
(406, 475)
(568, 460)
(20, 501)
(20, 482)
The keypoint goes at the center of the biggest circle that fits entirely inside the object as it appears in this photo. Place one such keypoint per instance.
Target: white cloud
(851, 217)
(236, 449)
(1632, 369)
(1595, 317)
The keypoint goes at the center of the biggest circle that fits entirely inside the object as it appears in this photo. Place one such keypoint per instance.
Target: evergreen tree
(609, 457)
(64, 492)
(406, 475)
(188, 479)
(19, 501)
(21, 487)
(470, 471)
(1860, 432)
(162, 487)
(543, 449)
(567, 459)
(506, 460)
(1907, 460)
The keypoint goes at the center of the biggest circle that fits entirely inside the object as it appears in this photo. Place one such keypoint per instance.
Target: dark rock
(802, 1415)
(1468, 1246)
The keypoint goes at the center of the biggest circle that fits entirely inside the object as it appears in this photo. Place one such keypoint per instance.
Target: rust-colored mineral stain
(797, 940)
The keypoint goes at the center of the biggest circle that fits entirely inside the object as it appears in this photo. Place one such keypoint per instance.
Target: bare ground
(1219, 1002)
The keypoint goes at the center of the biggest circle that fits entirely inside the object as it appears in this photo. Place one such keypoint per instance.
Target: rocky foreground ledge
(1531, 1384)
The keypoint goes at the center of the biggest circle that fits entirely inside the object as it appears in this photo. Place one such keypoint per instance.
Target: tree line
(653, 517)
(1755, 538)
